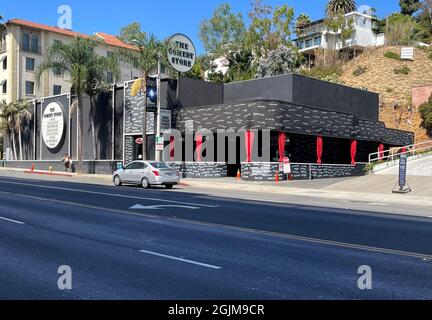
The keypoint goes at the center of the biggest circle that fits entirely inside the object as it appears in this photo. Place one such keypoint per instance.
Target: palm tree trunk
(15, 157)
(92, 124)
(20, 145)
(80, 134)
(144, 144)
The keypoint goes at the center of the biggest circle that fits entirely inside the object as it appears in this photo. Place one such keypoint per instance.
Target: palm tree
(334, 7)
(302, 20)
(97, 83)
(8, 112)
(79, 60)
(151, 52)
(21, 117)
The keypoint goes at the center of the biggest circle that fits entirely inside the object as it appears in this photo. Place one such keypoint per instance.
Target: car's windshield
(159, 165)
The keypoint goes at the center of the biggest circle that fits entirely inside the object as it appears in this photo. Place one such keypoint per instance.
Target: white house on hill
(316, 35)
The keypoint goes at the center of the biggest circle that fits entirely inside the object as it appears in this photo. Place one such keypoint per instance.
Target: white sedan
(146, 174)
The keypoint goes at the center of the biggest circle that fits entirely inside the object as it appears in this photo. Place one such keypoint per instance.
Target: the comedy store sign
(181, 53)
(52, 125)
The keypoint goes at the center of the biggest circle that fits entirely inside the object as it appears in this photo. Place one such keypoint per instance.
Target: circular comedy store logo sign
(52, 125)
(181, 53)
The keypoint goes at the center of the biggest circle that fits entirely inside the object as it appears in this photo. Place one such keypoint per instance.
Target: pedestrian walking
(67, 161)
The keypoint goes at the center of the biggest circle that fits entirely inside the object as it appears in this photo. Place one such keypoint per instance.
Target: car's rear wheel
(145, 183)
(117, 181)
(169, 186)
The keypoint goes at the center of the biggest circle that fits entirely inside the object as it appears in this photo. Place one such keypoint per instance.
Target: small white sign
(286, 166)
(165, 120)
(52, 125)
(181, 53)
(407, 53)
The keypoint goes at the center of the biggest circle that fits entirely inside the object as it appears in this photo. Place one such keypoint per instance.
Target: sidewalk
(372, 188)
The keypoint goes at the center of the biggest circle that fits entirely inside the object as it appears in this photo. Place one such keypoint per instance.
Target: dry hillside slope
(395, 89)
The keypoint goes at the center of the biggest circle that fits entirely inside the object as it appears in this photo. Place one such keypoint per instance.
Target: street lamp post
(158, 154)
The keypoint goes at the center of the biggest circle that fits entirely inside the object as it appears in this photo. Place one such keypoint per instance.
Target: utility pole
(158, 155)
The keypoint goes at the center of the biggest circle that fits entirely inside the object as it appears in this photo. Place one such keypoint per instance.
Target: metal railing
(394, 153)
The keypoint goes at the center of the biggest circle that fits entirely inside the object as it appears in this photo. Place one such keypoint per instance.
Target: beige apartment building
(22, 47)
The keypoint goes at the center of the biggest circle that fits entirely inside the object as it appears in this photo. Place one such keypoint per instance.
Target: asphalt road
(131, 243)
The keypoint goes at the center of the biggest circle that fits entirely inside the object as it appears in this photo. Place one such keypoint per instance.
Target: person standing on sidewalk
(67, 161)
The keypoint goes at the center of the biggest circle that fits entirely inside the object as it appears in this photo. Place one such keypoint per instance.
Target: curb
(49, 173)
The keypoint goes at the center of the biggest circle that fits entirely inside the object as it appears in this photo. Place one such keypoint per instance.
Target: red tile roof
(107, 38)
(114, 41)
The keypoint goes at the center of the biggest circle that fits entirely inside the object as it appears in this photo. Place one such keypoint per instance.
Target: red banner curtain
(249, 140)
(381, 151)
(198, 140)
(282, 141)
(353, 151)
(319, 149)
(171, 146)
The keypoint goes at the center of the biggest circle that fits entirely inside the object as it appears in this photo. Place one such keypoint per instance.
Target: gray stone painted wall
(288, 117)
(267, 171)
(200, 169)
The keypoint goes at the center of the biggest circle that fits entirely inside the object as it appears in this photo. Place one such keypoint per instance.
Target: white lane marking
(181, 259)
(163, 206)
(11, 220)
(111, 194)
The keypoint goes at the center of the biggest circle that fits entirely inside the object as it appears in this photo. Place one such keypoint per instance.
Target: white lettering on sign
(165, 120)
(181, 53)
(52, 125)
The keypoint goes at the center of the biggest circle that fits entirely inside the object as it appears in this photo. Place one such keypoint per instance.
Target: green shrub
(331, 73)
(359, 71)
(426, 115)
(320, 72)
(369, 168)
(430, 55)
(392, 55)
(334, 78)
(403, 70)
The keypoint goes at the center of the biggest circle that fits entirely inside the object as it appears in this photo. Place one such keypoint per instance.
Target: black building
(325, 129)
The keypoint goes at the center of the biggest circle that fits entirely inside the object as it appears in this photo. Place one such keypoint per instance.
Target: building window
(30, 64)
(57, 71)
(5, 63)
(26, 42)
(29, 87)
(317, 41)
(300, 44)
(35, 44)
(3, 43)
(308, 43)
(4, 87)
(56, 90)
(30, 43)
(110, 78)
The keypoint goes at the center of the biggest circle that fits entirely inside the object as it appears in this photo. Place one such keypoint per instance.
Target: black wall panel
(118, 124)
(274, 88)
(198, 93)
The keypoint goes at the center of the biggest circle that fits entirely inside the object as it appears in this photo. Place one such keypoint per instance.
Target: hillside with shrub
(381, 70)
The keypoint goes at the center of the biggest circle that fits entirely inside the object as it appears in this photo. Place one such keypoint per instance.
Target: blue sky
(163, 17)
